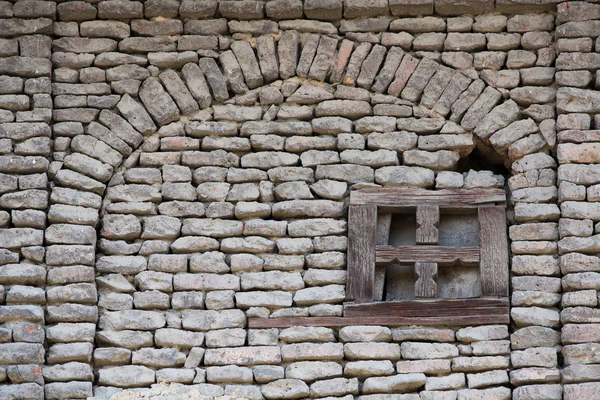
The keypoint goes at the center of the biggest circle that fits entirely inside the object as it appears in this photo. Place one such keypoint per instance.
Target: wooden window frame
(369, 218)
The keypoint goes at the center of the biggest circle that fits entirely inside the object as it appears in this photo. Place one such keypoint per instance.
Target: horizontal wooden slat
(392, 198)
(435, 254)
(427, 308)
(455, 312)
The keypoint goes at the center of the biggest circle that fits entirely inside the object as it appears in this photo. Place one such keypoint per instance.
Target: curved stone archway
(425, 96)
(211, 163)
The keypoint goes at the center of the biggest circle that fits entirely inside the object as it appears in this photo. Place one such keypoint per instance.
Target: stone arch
(418, 117)
(309, 70)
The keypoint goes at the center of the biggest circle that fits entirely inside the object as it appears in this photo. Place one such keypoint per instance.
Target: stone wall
(170, 169)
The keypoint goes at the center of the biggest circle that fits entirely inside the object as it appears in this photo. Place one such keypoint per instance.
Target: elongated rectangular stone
(215, 78)
(309, 50)
(371, 66)
(403, 74)
(70, 255)
(22, 353)
(81, 45)
(466, 99)
(287, 128)
(434, 89)
(21, 237)
(579, 173)
(248, 63)
(267, 58)
(157, 102)
(179, 92)
(387, 72)
(287, 50)
(204, 320)
(356, 61)
(312, 351)
(411, 8)
(573, 100)
(580, 26)
(97, 149)
(15, 27)
(25, 66)
(80, 88)
(243, 356)
(419, 79)
(196, 83)
(484, 104)
(21, 313)
(136, 115)
(22, 274)
(341, 60)
(120, 127)
(132, 319)
(102, 133)
(206, 282)
(323, 59)
(20, 131)
(23, 164)
(233, 72)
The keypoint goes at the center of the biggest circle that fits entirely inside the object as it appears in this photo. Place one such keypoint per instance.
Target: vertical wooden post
(362, 227)
(425, 286)
(428, 219)
(493, 251)
(384, 222)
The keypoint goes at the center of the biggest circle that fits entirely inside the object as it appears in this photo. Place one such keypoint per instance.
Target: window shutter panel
(493, 251)
(362, 228)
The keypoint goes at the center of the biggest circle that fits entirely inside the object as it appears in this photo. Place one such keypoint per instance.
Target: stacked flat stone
(444, 363)
(577, 124)
(25, 151)
(535, 271)
(201, 155)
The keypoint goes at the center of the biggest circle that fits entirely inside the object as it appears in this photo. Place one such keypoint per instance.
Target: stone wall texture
(171, 168)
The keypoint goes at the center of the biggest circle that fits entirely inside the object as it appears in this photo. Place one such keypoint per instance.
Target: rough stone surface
(175, 173)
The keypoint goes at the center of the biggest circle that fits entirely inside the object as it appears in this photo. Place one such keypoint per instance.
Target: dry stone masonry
(170, 169)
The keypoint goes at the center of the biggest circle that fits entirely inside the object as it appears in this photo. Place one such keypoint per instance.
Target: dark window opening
(456, 282)
(484, 158)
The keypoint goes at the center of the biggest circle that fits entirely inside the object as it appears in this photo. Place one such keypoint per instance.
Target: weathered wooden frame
(369, 216)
